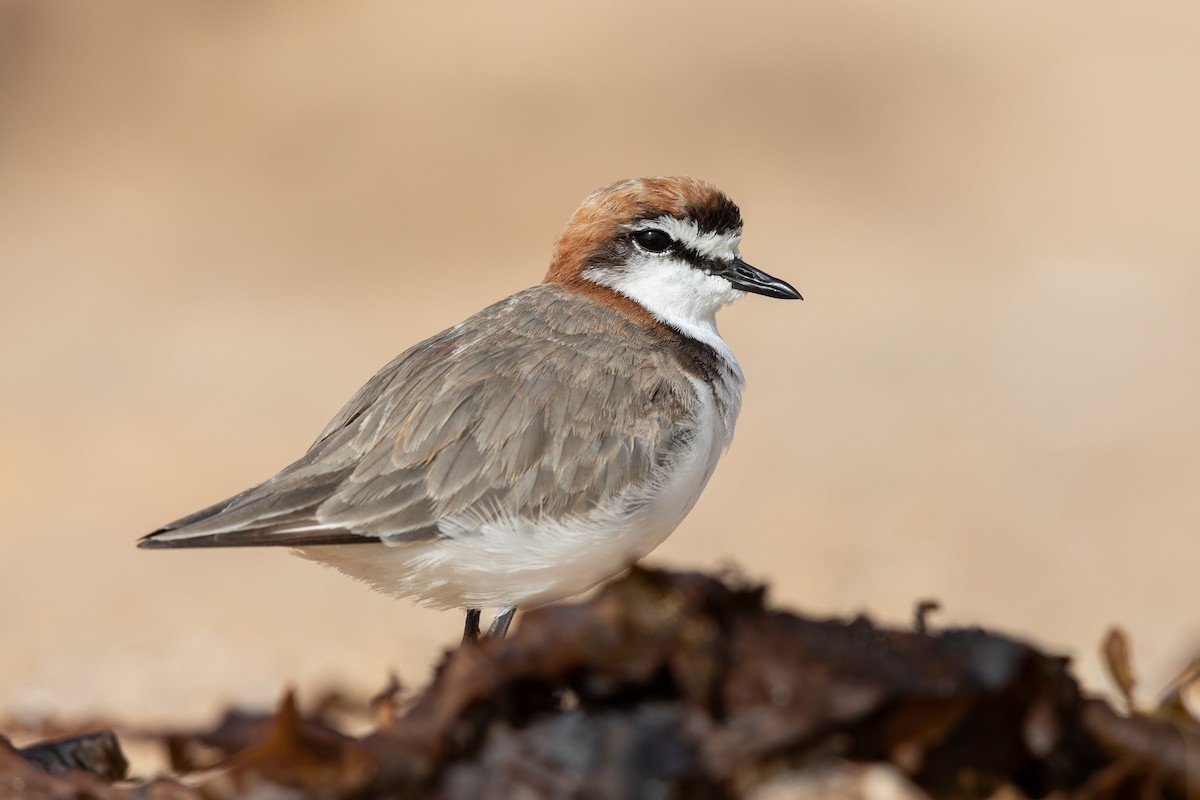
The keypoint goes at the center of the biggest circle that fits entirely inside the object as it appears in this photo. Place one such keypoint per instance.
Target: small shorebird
(540, 446)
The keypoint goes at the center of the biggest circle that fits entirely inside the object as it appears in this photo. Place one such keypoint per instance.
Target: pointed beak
(751, 279)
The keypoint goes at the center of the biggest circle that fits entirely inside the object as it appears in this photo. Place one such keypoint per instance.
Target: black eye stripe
(695, 259)
(706, 263)
(688, 254)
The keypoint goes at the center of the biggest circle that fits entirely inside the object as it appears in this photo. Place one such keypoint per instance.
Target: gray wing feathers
(503, 414)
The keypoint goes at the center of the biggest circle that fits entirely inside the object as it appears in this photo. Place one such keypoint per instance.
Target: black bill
(751, 279)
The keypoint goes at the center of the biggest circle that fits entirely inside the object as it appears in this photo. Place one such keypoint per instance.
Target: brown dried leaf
(1119, 663)
(1173, 706)
(299, 753)
(385, 706)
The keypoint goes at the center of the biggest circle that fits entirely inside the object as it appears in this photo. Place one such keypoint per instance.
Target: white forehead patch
(709, 244)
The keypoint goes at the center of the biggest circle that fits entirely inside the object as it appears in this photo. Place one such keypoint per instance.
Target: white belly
(524, 563)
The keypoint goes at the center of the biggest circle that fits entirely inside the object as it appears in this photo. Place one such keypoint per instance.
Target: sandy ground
(218, 219)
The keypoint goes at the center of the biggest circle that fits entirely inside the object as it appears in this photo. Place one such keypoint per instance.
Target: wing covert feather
(502, 413)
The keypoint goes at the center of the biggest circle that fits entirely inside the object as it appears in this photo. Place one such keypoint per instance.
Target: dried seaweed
(683, 685)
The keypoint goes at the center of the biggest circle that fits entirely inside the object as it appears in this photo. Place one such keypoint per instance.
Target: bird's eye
(654, 240)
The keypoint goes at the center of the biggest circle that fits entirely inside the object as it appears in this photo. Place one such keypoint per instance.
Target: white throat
(673, 290)
(677, 294)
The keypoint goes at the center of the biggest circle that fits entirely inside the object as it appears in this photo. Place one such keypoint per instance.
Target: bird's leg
(501, 622)
(471, 629)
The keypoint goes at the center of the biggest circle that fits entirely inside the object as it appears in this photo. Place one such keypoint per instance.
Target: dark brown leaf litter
(78, 766)
(97, 753)
(684, 686)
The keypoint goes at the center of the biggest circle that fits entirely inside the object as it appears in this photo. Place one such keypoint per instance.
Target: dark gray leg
(501, 622)
(471, 629)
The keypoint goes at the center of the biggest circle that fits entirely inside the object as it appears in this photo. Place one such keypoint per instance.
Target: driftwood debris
(686, 686)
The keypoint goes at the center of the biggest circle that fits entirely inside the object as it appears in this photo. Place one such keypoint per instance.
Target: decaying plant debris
(677, 685)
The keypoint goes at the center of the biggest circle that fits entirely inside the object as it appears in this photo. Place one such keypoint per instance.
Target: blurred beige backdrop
(217, 219)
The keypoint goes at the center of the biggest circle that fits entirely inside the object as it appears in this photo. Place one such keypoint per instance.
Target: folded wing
(505, 414)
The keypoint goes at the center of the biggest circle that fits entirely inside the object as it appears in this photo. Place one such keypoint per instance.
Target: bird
(541, 446)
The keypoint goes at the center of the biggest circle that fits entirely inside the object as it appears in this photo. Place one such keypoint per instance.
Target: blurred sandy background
(217, 219)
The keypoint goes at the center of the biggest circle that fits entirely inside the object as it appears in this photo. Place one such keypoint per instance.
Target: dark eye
(654, 240)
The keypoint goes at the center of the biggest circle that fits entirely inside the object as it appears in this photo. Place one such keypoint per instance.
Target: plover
(540, 446)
